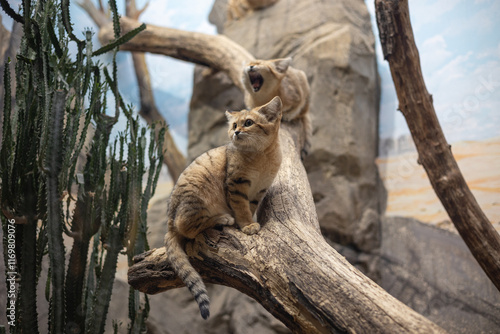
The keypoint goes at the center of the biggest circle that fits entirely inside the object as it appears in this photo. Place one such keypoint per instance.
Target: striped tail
(183, 268)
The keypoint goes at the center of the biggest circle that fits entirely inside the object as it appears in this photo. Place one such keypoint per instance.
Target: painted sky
(458, 41)
(459, 46)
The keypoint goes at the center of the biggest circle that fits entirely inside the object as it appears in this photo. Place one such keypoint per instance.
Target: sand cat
(224, 186)
(265, 79)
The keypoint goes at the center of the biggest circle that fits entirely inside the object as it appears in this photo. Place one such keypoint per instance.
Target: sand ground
(410, 192)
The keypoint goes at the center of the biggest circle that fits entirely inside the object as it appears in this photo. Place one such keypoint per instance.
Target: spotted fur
(223, 186)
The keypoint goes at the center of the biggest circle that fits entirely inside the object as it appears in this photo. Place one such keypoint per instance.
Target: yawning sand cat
(265, 79)
(223, 186)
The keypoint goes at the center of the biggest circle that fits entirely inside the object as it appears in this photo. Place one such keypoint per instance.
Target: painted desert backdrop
(410, 193)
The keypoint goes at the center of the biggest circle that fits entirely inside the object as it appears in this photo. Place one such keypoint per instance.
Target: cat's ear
(230, 114)
(272, 110)
(282, 65)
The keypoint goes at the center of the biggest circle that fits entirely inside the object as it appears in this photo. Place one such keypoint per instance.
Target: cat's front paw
(225, 220)
(251, 228)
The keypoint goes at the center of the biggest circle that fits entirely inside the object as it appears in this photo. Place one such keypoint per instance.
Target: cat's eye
(248, 122)
(234, 126)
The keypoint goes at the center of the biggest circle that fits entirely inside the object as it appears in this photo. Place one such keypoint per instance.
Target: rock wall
(432, 271)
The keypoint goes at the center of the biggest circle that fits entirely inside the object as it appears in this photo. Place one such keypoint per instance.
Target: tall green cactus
(102, 206)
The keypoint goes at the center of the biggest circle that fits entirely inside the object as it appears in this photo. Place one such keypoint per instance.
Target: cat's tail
(183, 268)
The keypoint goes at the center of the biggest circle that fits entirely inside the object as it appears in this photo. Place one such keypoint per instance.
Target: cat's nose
(237, 132)
(251, 67)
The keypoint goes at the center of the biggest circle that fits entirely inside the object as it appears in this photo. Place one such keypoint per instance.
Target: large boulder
(432, 271)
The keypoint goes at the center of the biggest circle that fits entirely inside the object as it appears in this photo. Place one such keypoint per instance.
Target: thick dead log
(173, 158)
(215, 51)
(288, 266)
(415, 102)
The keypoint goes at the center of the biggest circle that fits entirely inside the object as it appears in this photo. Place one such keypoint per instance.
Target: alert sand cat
(265, 79)
(224, 186)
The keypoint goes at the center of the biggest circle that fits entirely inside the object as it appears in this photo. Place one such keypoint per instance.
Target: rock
(213, 94)
(367, 234)
(433, 272)
(176, 312)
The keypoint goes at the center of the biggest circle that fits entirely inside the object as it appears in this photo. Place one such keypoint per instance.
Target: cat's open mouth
(256, 80)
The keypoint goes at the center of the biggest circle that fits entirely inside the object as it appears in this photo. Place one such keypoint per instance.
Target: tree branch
(9, 45)
(215, 51)
(174, 159)
(288, 266)
(435, 155)
(98, 15)
(132, 11)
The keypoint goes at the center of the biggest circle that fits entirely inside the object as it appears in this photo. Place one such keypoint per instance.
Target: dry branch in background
(174, 159)
(415, 102)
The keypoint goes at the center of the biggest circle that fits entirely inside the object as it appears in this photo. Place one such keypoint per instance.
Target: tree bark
(288, 266)
(434, 152)
(173, 158)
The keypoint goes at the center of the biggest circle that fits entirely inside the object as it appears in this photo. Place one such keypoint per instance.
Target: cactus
(57, 99)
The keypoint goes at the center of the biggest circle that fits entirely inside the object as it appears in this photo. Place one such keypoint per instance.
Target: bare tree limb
(288, 267)
(415, 102)
(132, 11)
(174, 159)
(215, 51)
(98, 15)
